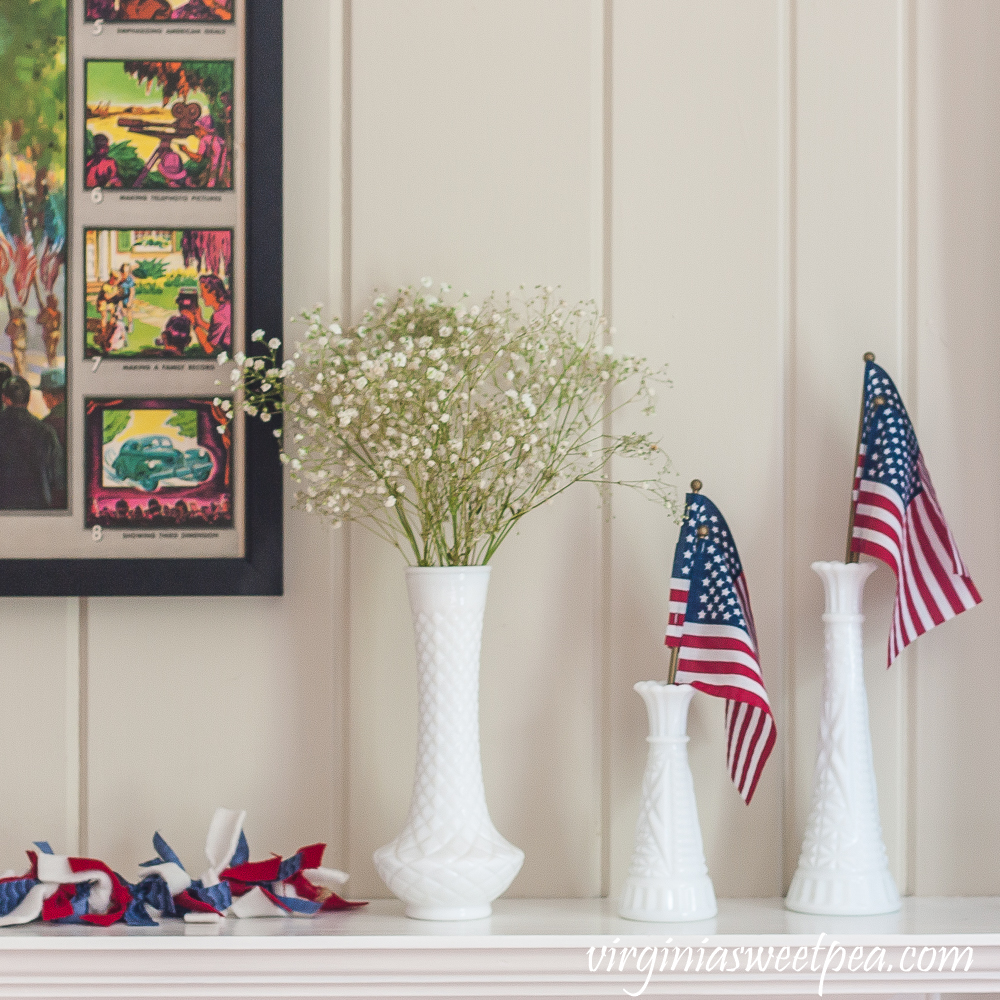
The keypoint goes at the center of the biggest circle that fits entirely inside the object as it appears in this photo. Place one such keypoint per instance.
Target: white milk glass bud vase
(668, 878)
(449, 862)
(844, 868)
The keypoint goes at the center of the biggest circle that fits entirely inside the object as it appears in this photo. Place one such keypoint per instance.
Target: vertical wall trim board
(346, 165)
(603, 140)
(786, 310)
(81, 731)
(906, 291)
(72, 723)
(343, 252)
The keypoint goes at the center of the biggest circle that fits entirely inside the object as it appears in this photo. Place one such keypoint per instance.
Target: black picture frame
(260, 570)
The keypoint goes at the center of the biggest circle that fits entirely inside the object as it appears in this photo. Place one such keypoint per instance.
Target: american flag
(712, 625)
(897, 518)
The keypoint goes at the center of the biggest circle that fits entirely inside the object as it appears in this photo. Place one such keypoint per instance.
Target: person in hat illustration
(172, 170)
(53, 388)
(101, 169)
(211, 156)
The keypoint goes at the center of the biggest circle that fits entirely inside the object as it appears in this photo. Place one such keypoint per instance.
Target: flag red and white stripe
(678, 605)
(721, 660)
(25, 268)
(915, 542)
(712, 628)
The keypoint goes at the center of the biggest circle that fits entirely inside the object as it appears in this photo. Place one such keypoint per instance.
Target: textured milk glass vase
(668, 878)
(449, 862)
(843, 868)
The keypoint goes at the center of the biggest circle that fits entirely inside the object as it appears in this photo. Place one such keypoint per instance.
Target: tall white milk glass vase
(449, 862)
(843, 869)
(668, 878)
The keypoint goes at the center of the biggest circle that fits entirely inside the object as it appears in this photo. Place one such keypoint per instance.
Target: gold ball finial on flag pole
(869, 356)
(695, 485)
(879, 400)
(702, 530)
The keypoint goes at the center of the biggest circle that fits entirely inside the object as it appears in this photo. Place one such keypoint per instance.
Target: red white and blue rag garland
(69, 890)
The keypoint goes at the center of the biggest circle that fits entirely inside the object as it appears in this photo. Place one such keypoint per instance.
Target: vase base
(458, 881)
(843, 895)
(668, 900)
(449, 912)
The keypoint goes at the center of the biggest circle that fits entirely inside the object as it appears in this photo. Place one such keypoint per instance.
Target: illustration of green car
(149, 460)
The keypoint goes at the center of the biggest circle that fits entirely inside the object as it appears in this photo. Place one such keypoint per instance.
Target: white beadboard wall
(757, 191)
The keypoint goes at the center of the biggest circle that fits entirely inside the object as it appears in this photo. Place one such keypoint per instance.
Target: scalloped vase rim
(419, 570)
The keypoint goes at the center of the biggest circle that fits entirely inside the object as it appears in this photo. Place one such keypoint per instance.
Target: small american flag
(712, 625)
(897, 518)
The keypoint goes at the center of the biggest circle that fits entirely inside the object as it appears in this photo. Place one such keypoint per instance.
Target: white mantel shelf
(528, 948)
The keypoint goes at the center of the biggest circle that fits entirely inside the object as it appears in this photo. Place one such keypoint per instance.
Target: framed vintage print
(140, 222)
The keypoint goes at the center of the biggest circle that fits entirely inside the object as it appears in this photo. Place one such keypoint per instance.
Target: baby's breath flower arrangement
(439, 425)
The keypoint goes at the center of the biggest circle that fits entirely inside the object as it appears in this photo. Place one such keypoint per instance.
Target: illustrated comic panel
(158, 125)
(159, 462)
(32, 255)
(159, 10)
(160, 293)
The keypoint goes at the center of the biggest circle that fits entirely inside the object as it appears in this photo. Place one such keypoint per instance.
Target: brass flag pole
(675, 651)
(852, 557)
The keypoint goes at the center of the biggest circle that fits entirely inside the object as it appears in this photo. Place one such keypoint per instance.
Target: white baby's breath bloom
(221, 358)
(257, 335)
(530, 424)
(274, 343)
